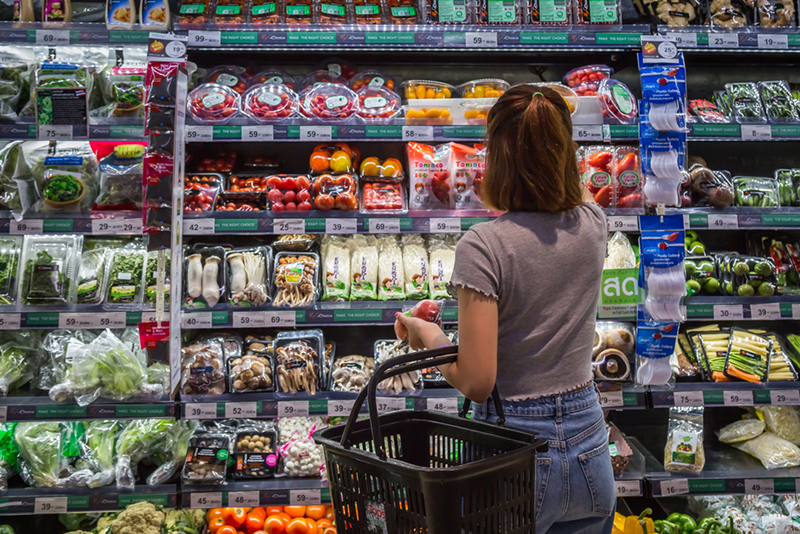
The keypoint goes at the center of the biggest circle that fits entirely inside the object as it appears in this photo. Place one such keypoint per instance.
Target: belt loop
(559, 412)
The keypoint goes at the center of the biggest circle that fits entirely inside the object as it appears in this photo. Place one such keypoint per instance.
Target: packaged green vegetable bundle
(757, 192)
(10, 250)
(747, 276)
(8, 453)
(56, 372)
(16, 181)
(91, 276)
(49, 266)
(778, 102)
(174, 452)
(98, 450)
(17, 64)
(788, 186)
(65, 174)
(748, 356)
(745, 102)
(125, 274)
(17, 367)
(140, 439)
(122, 84)
(121, 179)
(45, 453)
(151, 275)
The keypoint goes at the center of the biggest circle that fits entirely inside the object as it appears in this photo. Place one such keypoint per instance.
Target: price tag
(198, 226)
(240, 410)
(659, 49)
(759, 486)
(10, 321)
(127, 226)
(152, 317)
(417, 133)
(201, 410)
(50, 505)
(244, 499)
(684, 40)
(770, 311)
(3, 414)
(249, 319)
(446, 405)
(258, 133)
(784, 397)
(338, 408)
(773, 41)
(628, 488)
(390, 404)
(200, 134)
(293, 409)
(723, 40)
(341, 226)
(728, 312)
(197, 38)
(445, 225)
(200, 320)
(628, 223)
(723, 222)
(316, 133)
(611, 399)
(587, 132)
(689, 398)
(280, 318)
(481, 39)
(103, 227)
(305, 497)
(755, 132)
(205, 500)
(52, 37)
(55, 131)
(384, 226)
(671, 488)
(687, 221)
(26, 227)
(795, 311)
(288, 226)
(737, 398)
(91, 320)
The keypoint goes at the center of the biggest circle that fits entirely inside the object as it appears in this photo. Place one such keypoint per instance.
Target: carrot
(743, 375)
(720, 377)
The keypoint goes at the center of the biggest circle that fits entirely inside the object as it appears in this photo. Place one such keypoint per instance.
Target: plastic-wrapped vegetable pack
(139, 440)
(684, 451)
(98, 450)
(301, 456)
(173, 451)
(783, 421)
(125, 269)
(774, 452)
(121, 179)
(45, 451)
(741, 430)
(49, 266)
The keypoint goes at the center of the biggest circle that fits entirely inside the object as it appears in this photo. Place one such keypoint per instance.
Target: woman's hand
(419, 333)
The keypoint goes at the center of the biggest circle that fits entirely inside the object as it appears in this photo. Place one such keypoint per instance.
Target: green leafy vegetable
(40, 448)
(44, 281)
(107, 367)
(125, 277)
(62, 188)
(16, 368)
(9, 259)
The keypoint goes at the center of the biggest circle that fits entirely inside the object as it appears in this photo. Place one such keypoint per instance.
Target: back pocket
(596, 467)
(542, 477)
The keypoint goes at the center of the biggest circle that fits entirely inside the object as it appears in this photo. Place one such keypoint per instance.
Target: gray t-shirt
(544, 269)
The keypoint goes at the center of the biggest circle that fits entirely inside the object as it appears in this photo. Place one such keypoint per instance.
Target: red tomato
(235, 516)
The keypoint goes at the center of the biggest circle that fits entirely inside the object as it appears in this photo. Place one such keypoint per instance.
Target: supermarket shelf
(70, 33)
(739, 217)
(745, 132)
(126, 130)
(77, 317)
(271, 492)
(97, 223)
(700, 39)
(726, 394)
(621, 396)
(18, 409)
(631, 483)
(784, 307)
(26, 501)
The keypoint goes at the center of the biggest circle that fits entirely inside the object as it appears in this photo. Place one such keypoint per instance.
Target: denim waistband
(555, 405)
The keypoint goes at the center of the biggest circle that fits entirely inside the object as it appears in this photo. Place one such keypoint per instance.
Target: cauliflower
(139, 518)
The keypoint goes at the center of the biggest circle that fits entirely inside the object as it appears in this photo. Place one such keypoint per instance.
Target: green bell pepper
(685, 522)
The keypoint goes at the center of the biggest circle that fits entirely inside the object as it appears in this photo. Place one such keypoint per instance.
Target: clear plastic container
(569, 96)
(373, 167)
(200, 196)
(297, 364)
(229, 13)
(321, 76)
(207, 459)
(617, 102)
(380, 196)
(449, 11)
(248, 284)
(438, 111)
(10, 251)
(212, 103)
(778, 102)
(756, 192)
(425, 89)
(335, 192)
(298, 12)
(203, 367)
(250, 373)
(587, 74)
(126, 275)
(373, 79)
(499, 12)
(368, 11)
(49, 266)
(330, 102)
(627, 176)
(264, 12)
(193, 12)
(597, 12)
(332, 12)
(269, 102)
(476, 110)
(229, 75)
(745, 103)
(486, 88)
(334, 158)
(403, 12)
(549, 12)
(204, 277)
(274, 76)
(296, 280)
(377, 104)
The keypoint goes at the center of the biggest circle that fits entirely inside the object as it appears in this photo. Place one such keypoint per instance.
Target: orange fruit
(312, 525)
(315, 512)
(329, 512)
(272, 510)
(274, 525)
(298, 525)
(283, 516)
(295, 511)
(329, 530)
(370, 167)
(215, 524)
(227, 529)
(323, 523)
(340, 161)
(391, 168)
(319, 161)
(345, 148)
(214, 513)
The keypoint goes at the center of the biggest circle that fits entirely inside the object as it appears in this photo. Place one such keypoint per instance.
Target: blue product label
(51, 65)
(655, 340)
(644, 114)
(662, 83)
(154, 12)
(662, 242)
(653, 141)
(63, 161)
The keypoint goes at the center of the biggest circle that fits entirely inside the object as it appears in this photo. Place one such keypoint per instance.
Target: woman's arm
(475, 372)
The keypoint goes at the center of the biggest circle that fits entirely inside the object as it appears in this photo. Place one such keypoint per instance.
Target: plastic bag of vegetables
(9, 452)
(174, 452)
(44, 455)
(18, 192)
(46, 161)
(16, 67)
(140, 439)
(57, 369)
(98, 449)
(122, 84)
(17, 367)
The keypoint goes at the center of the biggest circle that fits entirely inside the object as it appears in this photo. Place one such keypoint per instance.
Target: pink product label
(54, 10)
(600, 179)
(629, 179)
(272, 460)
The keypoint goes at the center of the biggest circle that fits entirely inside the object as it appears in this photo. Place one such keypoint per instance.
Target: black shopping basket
(429, 472)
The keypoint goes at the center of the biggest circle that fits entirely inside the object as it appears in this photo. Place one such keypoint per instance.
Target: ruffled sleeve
(475, 268)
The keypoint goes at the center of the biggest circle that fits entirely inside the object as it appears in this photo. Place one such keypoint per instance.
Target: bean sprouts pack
(364, 267)
(390, 270)
(442, 261)
(415, 264)
(336, 258)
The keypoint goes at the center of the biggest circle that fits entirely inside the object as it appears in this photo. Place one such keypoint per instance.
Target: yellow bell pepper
(619, 524)
(641, 524)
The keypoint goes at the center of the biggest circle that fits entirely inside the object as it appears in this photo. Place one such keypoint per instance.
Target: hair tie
(536, 93)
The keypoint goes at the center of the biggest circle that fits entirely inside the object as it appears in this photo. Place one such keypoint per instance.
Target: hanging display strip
(20, 409)
(745, 132)
(29, 501)
(114, 132)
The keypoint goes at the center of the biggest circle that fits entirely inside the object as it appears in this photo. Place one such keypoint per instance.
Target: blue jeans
(574, 480)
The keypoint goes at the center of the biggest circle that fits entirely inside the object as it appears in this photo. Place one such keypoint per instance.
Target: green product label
(298, 11)
(684, 447)
(229, 10)
(502, 11)
(629, 179)
(552, 11)
(265, 9)
(452, 10)
(619, 286)
(222, 454)
(602, 10)
(369, 9)
(622, 98)
(600, 179)
(334, 10)
(192, 9)
(404, 11)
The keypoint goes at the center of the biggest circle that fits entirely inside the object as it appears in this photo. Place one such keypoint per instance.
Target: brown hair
(530, 162)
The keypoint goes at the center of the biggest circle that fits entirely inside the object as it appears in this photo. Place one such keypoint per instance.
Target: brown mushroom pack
(612, 351)
(298, 361)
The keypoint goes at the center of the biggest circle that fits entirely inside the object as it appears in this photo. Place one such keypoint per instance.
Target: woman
(527, 285)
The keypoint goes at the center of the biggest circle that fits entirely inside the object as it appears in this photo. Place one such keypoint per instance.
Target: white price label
(10, 321)
(773, 41)
(390, 404)
(795, 311)
(628, 488)
(723, 222)
(244, 499)
(103, 227)
(384, 226)
(445, 225)
(205, 500)
(198, 226)
(670, 488)
(316, 133)
(689, 398)
(249, 319)
(759, 486)
(481, 39)
(126, 226)
(723, 40)
(258, 133)
(446, 405)
(728, 312)
(91, 320)
(755, 132)
(687, 221)
(339, 408)
(26, 227)
(293, 409)
(197, 38)
(55, 131)
(3, 414)
(52, 37)
(152, 317)
(196, 321)
(784, 397)
(201, 134)
(587, 132)
(627, 223)
(280, 318)
(50, 505)
(737, 398)
(240, 410)
(417, 133)
(770, 311)
(288, 226)
(201, 410)
(684, 40)
(305, 497)
(341, 226)
(611, 399)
